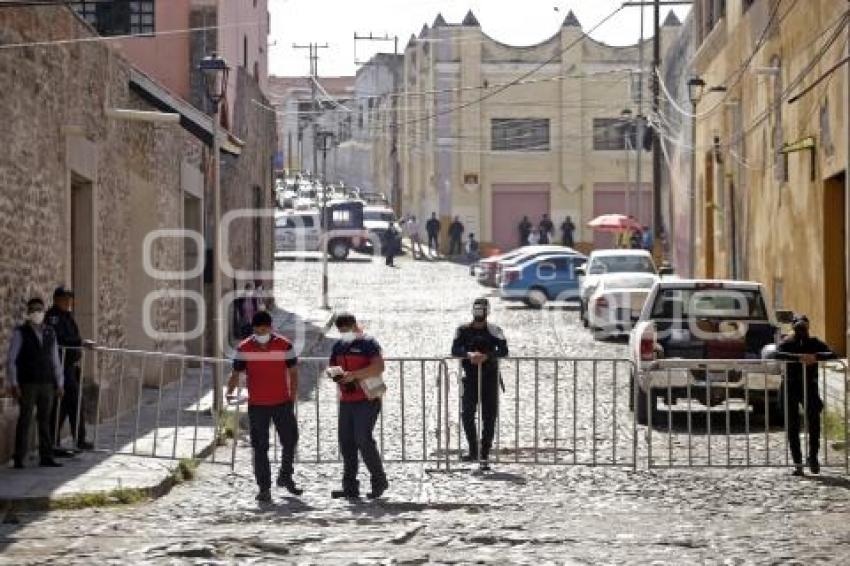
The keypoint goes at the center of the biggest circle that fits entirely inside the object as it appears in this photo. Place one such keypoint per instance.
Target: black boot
(378, 489)
(345, 494)
(288, 484)
(814, 465)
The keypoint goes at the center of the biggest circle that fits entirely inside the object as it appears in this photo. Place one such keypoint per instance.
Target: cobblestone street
(521, 513)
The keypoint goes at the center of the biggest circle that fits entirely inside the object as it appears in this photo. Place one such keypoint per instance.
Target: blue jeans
(356, 424)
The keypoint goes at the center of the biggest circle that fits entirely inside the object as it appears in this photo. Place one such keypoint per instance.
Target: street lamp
(627, 117)
(215, 71)
(696, 87)
(323, 137)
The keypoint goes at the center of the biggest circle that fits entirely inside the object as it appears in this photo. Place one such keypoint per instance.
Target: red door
(510, 203)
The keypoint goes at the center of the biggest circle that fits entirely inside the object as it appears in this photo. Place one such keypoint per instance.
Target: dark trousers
(66, 407)
(433, 242)
(455, 247)
(811, 404)
(356, 424)
(489, 412)
(283, 417)
(38, 398)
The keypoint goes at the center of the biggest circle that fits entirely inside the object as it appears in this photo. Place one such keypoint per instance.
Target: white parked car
(603, 262)
(617, 301)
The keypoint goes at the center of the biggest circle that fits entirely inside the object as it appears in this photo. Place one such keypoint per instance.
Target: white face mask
(348, 336)
(36, 317)
(262, 338)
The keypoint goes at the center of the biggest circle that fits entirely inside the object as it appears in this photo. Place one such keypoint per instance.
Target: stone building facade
(772, 153)
(82, 187)
(479, 141)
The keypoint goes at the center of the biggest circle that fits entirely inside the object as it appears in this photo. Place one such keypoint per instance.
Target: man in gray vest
(35, 377)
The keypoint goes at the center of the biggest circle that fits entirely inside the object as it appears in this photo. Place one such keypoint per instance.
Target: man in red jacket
(272, 369)
(359, 357)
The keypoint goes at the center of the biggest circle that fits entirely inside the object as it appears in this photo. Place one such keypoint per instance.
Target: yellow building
(771, 152)
(491, 132)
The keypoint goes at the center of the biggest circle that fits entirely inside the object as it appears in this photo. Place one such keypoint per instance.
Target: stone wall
(56, 135)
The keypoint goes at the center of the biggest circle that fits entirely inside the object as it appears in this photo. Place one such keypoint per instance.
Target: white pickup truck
(703, 340)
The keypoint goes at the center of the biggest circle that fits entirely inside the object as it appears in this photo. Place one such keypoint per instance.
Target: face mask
(262, 338)
(478, 315)
(348, 336)
(36, 317)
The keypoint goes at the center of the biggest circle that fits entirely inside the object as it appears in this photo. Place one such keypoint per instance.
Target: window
(519, 134)
(622, 264)
(610, 134)
(117, 17)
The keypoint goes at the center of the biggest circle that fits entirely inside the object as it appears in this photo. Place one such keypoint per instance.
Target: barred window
(117, 17)
(519, 134)
(610, 133)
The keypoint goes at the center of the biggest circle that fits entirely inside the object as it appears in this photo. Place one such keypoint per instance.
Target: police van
(301, 229)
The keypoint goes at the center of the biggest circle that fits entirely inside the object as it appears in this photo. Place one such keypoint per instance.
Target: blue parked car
(543, 278)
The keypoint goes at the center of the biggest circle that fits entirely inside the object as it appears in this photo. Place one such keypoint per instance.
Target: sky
(516, 22)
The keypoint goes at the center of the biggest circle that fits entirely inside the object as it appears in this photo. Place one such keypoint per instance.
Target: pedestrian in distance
(60, 318)
(472, 253)
(35, 378)
(568, 232)
(356, 359)
(803, 352)
(646, 240)
(479, 345)
(524, 230)
(271, 367)
(546, 229)
(391, 244)
(415, 238)
(533, 238)
(432, 227)
(455, 235)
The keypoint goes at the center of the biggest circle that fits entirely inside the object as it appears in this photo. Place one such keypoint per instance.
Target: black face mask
(479, 315)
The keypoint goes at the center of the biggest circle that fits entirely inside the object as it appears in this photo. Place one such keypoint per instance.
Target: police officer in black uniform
(480, 344)
(803, 351)
(61, 318)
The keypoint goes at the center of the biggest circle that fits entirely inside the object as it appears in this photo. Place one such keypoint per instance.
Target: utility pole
(640, 118)
(656, 139)
(314, 77)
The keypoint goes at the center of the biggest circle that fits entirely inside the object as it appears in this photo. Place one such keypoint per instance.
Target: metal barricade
(142, 403)
(552, 411)
(738, 413)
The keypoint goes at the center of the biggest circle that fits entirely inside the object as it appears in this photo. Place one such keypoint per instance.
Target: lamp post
(696, 87)
(215, 72)
(323, 137)
(627, 117)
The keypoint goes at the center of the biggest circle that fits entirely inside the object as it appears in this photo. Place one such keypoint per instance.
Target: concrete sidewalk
(138, 453)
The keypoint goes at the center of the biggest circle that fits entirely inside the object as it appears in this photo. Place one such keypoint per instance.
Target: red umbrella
(614, 223)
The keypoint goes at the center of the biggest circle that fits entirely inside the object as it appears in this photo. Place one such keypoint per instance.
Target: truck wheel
(338, 249)
(536, 298)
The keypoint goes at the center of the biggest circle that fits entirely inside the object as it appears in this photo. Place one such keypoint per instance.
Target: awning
(193, 120)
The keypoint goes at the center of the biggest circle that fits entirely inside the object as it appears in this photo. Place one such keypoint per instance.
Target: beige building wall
(783, 212)
(453, 88)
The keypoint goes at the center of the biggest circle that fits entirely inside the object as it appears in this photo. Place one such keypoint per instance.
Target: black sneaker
(378, 490)
(18, 465)
(85, 445)
(264, 496)
(63, 453)
(485, 465)
(49, 463)
(468, 458)
(289, 485)
(814, 465)
(798, 471)
(345, 494)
